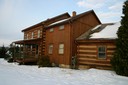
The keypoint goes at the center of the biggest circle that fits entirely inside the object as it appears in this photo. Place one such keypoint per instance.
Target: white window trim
(38, 33)
(51, 30)
(61, 27)
(32, 35)
(26, 36)
(104, 57)
(50, 49)
(61, 48)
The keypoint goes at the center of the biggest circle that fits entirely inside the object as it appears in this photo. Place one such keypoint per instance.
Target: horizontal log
(89, 55)
(91, 59)
(111, 46)
(86, 50)
(110, 51)
(85, 46)
(94, 60)
(110, 55)
(95, 64)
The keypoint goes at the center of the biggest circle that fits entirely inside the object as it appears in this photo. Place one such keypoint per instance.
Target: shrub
(44, 61)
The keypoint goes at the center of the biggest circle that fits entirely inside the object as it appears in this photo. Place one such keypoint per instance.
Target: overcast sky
(16, 15)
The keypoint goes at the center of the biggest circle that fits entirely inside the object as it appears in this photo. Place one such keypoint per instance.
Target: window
(27, 36)
(102, 52)
(51, 30)
(32, 35)
(61, 27)
(61, 48)
(38, 33)
(50, 49)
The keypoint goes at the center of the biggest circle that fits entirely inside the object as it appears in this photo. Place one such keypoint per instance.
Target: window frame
(32, 35)
(26, 36)
(50, 49)
(39, 33)
(51, 30)
(61, 49)
(61, 27)
(103, 52)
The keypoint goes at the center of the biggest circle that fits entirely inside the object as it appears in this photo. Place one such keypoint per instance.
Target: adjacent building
(96, 47)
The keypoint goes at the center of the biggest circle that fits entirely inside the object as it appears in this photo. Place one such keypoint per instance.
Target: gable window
(61, 27)
(102, 52)
(32, 35)
(51, 30)
(38, 33)
(61, 48)
(50, 51)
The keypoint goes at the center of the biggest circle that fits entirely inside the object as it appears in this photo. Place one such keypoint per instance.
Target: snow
(13, 74)
(96, 27)
(108, 32)
(59, 21)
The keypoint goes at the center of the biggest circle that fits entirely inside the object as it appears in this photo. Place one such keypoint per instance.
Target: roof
(30, 41)
(49, 19)
(102, 31)
(73, 18)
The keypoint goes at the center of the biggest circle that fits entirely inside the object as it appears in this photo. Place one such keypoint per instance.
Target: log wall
(87, 55)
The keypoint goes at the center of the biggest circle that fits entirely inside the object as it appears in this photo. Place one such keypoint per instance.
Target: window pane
(61, 51)
(61, 45)
(32, 35)
(102, 52)
(102, 49)
(61, 27)
(51, 30)
(38, 33)
(50, 49)
(61, 48)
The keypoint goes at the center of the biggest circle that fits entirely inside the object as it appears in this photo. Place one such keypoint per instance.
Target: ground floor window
(50, 49)
(102, 52)
(61, 48)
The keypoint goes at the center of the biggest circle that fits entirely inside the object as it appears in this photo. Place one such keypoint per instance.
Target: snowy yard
(13, 74)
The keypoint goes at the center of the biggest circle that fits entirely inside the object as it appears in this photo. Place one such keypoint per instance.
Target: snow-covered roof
(109, 32)
(58, 22)
(102, 31)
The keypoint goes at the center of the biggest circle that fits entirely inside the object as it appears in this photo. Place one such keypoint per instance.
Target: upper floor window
(61, 48)
(51, 30)
(38, 33)
(102, 52)
(61, 27)
(27, 36)
(50, 50)
(32, 35)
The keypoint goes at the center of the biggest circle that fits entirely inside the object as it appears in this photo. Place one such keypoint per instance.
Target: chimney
(73, 13)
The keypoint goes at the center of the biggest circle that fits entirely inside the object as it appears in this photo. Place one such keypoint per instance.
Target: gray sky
(16, 15)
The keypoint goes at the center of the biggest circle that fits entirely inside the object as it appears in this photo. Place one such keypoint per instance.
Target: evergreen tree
(3, 52)
(120, 60)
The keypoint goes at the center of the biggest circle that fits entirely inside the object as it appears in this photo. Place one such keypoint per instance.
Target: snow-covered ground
(13, 74)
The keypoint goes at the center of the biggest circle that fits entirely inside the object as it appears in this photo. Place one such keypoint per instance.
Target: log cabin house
(56, 37)
(61, 35)
(96, 47)
(33, 44)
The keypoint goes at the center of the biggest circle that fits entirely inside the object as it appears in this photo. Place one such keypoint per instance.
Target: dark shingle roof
(74, 18)
(47, 20)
